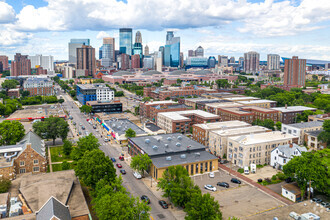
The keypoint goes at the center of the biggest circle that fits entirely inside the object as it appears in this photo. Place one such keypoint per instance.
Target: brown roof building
(294, 72)
(21, 65)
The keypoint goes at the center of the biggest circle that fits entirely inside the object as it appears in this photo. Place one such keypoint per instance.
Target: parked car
(223, 161)
(317, 200)
(121, 158)
(223, 184)
(210, 187)
(82, 127)
(163, 204)
(113, 159)
(106, 139)
(94, 126)
(137, 175)
(145, 199)
(122, 171)
(74, 123)
(234, 180)
(211, 174)
(119, 165)
(246, 170)
(80, 124)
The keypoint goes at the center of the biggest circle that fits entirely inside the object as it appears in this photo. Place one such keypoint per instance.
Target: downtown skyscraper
(73, 45)
(251, 62)
(125, 41)
(172, 50)
(273, 62)
(86, 61)
(108, 52)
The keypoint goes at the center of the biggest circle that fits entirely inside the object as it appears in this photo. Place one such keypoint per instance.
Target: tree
(146, 99)
(87, 143)
(11, 132)
(52, 128)
(203, 207)
(10, 84)
(178, 81)
(67, 147)
(303, 117)
(168, 98)
(65, 165)
(24, 93)
(278, 125)
(130, 133)
(177, 185)
(307, 170)
(61, 100)
(119, 94)
(141, 162)
(268, 123)
(222, 83)
(137, 110)
(93, 167)
(4, 185)
(324, 136)
(86, 109)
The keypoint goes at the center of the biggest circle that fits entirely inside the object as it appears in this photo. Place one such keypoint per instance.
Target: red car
(119, 165)
(121, 158)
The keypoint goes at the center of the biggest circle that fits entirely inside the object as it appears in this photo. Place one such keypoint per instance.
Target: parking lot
(238, 200)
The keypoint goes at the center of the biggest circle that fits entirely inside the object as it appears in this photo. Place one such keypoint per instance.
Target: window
(35, 169)
(192, 169)
(210, 165)
(196, 167)
(35, 161)
(205, 166)
(22, 163)
(201, 167)
(22, 170)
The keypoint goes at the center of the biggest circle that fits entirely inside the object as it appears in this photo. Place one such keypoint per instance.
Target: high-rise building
(124, 61)
(148, 62)
(146, 50)
(1, 67)
(138, 37)
(191, 53)
(4, 61)
(159, 61)
(273, 62)
(251, 62)
(222, 60)
(241, 61)
(199, 52)
(135, 61)
(86, 60)
(181, 59)
(46, 62)
(294, 72)
(73, 45)
(162, 50)
(232, 60)
(108, 52)
(137, 49)
(125, 40)
(172, 50)
(169, 37)
(211, 62)
(21, 65)
(100, 52)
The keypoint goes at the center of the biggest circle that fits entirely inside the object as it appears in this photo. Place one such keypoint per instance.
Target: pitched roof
(53, 208)
(289, 151)
(36, 142)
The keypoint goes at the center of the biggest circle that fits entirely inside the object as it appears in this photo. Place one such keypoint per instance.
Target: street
(134, 186)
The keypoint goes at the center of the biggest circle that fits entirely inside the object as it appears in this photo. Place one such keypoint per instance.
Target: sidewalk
(251, 182)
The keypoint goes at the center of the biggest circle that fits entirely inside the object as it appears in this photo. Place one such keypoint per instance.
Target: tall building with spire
(146, 50)
(138, 37)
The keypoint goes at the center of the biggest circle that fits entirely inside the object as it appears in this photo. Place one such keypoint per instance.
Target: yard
(57, 155)
(58, 167)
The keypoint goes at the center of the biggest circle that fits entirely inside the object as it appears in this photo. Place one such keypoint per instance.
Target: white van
(106, 139)
(246, 170)
(137, 175)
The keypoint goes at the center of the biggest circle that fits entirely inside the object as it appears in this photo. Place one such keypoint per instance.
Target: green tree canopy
(222, 83)
(141, 162)
(4, 185)
(10, 84)
(93, 167)
(130, 133)
(87, 143)
(65, 165)
(86, 109)
(67, 147)
(11, 132)
(52, 128)
(278, 125)
(268, 123)
(203, 207)
(146, 99)
(324, 136)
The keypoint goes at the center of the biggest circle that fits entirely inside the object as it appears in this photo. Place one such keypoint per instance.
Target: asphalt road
(134, 186)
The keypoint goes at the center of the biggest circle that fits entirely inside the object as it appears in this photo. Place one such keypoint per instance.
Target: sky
(221, 27)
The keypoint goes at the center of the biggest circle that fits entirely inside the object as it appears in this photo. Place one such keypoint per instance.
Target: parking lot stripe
(264, 211)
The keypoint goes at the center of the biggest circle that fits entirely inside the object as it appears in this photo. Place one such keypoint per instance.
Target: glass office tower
(125, 40)
(175, 52)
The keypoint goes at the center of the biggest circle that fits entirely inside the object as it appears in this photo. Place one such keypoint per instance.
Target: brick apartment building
(167, 108)
(13, 93)
(181, 121)
(27, 156)
(146, 107)
(263, 113)
(39, 86)
(288, 114)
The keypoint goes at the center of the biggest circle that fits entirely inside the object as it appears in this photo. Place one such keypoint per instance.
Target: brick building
(259, 103)
(181, 121)
(288, 114)
(4, 61)
(294, 72)
(27, 156)
(166, 108)
(21, 65)
(39, 86)
(13, 93)
(146, 107)
(263, 113)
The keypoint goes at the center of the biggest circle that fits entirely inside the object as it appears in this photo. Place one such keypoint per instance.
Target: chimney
(286, 106)
(291, 145)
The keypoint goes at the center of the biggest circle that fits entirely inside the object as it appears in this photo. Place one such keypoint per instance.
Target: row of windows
(23, 170)
(22, 163)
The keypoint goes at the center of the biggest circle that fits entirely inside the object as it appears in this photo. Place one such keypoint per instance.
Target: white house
(291, 192)
(299, 129)
(284, 153)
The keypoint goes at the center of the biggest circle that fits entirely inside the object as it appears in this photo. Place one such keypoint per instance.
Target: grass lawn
(58, 167)
(265, 183)
(55, 152)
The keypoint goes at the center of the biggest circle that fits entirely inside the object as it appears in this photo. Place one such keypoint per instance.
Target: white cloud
(7, 13)
(12, 37)
(102, 35)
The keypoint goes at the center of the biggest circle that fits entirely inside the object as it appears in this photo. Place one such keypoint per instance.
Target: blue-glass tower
(125, 40)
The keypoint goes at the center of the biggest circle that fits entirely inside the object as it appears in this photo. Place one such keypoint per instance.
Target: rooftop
(289, 151)
(260, 109)
(256, 101)
(152, 127)
(121, 125)
(261, 138)
(241, 130)
(160, 102)
(166, 144)
(310, 124)
(241, 98)
(293, 108)
(108, 116)
(53, 209)
(223, 125)
(171, 106)
(180, 115)
(238, 111)
(315, 133)
(224, 104)
(122, 73)
(93, 86)
(292, 187)
(103, 102)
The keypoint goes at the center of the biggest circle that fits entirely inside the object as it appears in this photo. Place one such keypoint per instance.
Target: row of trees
(117, 93)
(138, 90)
(37, 100)
(86, 109)
(67, 86)
(11, 132)
(9, 106)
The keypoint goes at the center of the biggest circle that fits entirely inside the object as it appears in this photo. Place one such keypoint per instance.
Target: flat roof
(259, 109)
(315, 133)
(241, 130)
(108, 116)
(261, 137)
(241, 98)
(223, 125)
(293, 108)
(310, 124)
(200, 99)
(256, 101)
(93, 86)
(166, 144)
(160, 102)
(152, 127)
(238, 111)
(122, 124)
(180, 115)
(184, 158)
(35, 111)
(224, 104)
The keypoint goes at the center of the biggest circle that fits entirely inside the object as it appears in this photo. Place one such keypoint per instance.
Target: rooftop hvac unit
(119, 127)
(197, 154)
(168, 158)
(166, 145)
(178, 144)
(147, 141)
(169, 138)
(113, 125)
(183, 156)
(179, 137)
(155, 147)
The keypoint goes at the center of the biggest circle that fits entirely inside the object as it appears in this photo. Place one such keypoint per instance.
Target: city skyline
(267, 27)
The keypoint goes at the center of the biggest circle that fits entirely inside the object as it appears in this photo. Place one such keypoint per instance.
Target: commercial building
(181, 121)
(116, 129)
(146, 107)
(4, 61)
(312, 141)
(73, 45)
(263, 113)
(39, 86)
(153, 129)
(124, 62)
(172, 50)
(211, 62)
(294, 72)
(14, 160)
(46, 62)
(201, 131)
(135, 61)
(251, 62)
(288, 114)
(259, 103)
(193, 62)
(273, 62)
(222, 61)
(166, 108)
(108, 52)
(171, 150)
(125, 40)
(215, 107)
(148, 62)
(93, 92)
(299, 129)
(106, 106)
(86, 60)
(21, 65)
(218, 139)
(244, 150)
(282, 154)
